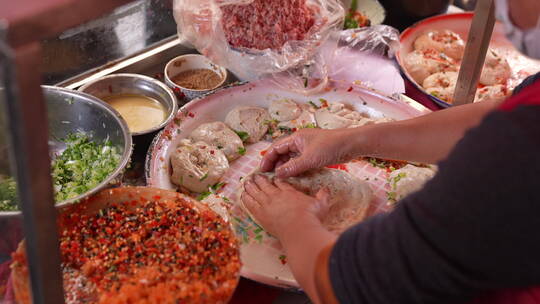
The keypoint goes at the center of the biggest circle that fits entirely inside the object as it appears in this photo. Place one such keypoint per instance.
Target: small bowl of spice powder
(194, 75)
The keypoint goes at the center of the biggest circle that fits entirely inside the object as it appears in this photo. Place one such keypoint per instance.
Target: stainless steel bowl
(135, 84)
(71, 111)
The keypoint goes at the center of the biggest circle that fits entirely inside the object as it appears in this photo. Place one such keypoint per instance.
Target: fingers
(282, 160)
(282, 147)
(323, 195)
(265, 185)
(249, 202)
(251, 205)
(293, 167)
(281, 184)
(254, 191)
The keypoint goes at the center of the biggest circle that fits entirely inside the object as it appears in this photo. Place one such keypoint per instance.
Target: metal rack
(23, 24)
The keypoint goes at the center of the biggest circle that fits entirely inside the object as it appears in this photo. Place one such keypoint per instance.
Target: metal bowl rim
(125, 158)
(160, 84)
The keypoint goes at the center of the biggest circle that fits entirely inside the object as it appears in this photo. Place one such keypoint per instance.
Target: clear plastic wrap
(364, 57)
(201, 23)
(303, 66)
(378, 40)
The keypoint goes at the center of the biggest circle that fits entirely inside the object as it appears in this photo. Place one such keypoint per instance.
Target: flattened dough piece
(220, 136)
(410, 179)
(252, 120)
(284, 110)
(349, 196)
(197, 166)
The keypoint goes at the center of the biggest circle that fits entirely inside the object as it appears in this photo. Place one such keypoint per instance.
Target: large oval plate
(460, 23)
(261, 254)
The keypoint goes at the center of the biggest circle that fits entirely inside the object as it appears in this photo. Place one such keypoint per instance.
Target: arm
(468, 231)
(427, 139)
(302, 251)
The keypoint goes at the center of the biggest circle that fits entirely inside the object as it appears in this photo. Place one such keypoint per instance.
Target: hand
(279, 206)
(308, 149)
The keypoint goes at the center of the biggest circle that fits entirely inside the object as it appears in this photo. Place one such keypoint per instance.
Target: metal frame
(23, 24)
(28, 142)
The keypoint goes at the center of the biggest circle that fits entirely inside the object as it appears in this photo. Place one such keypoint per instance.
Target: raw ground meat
(266, 24)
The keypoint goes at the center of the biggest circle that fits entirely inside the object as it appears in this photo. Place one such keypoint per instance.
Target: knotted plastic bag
(261, 38)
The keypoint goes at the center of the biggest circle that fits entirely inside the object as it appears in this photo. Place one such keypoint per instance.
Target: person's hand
(308, 149)
(278, 206)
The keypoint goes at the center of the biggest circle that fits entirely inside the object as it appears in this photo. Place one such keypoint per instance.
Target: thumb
(293, 167)
(323, 195)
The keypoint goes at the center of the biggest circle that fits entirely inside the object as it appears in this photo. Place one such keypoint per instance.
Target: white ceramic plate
(370, 8)
(260, 253)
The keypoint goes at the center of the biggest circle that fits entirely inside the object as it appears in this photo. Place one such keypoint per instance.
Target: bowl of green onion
(90, 145)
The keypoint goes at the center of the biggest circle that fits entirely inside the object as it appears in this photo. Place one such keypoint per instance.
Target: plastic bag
(378, 40)
(202, 23)
(364, 57)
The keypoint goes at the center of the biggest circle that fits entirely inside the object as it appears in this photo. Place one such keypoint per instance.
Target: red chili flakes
(324, 103)
(349, 89)
(190, 114)
(387, 164)
(283, 259)
(263, 152)
(339, 167)
(151, 251)
(179, 94)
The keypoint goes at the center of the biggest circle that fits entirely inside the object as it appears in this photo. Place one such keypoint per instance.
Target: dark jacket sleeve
(473, 228)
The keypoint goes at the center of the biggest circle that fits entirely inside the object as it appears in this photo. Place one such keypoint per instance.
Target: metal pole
(27, 124)
(475, 51)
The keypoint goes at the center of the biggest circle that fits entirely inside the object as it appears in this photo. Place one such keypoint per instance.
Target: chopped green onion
(243, 135)
(217, 187)
(8, 194)
(285, 129)
(313, 104)
(82, 166)
(310, 126)
(241, 150)
(204, 195)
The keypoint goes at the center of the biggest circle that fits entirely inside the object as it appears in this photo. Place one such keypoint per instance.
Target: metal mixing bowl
(116, 84)
(70, 112)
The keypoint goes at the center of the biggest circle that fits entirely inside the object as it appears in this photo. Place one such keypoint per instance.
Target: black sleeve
(526, 82)
(473, 228)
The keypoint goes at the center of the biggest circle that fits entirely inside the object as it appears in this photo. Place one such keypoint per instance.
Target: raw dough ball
(197, 166)
(409, 179)
(445, 41)
(441, 85)
(496, 69)
(220, 136)
(252, 120)
(422, 64)
(284, 110)
(493, 93)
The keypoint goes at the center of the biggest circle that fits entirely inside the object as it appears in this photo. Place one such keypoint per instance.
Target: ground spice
(198, 79)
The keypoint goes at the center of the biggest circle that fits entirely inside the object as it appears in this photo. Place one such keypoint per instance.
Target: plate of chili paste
(141, 245)
(261, 254)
